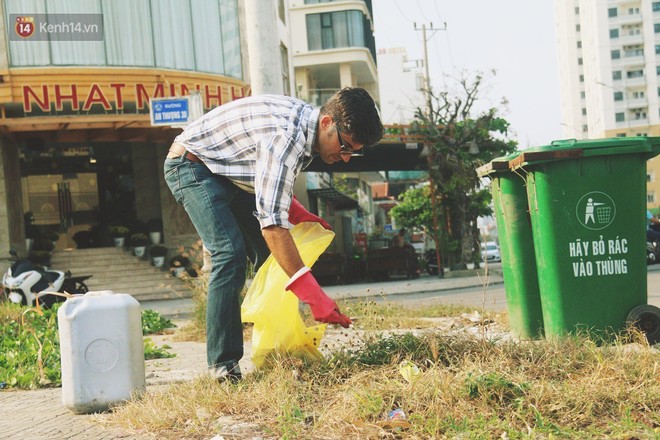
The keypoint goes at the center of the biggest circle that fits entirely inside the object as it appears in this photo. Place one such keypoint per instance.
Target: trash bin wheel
(646, 318)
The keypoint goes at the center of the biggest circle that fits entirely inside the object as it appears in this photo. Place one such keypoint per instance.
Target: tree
(458, 140)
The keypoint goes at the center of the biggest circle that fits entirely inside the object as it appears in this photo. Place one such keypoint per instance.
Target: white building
(333, 47)
(401, 85)
(609, 63)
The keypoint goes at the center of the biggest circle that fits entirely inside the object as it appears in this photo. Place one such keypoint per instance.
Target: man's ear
(325, 122)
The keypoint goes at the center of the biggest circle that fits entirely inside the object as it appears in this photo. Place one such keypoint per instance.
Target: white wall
(399, 97)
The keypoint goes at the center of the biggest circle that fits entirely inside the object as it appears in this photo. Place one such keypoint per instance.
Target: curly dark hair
(355, 112)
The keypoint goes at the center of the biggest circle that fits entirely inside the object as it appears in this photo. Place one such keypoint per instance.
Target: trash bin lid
(499, 164)
(572, 149)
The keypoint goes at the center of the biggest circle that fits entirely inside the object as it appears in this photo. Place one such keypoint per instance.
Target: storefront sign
(51, 98)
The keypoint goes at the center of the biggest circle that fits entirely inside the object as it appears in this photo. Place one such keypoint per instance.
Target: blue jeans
(223, 215)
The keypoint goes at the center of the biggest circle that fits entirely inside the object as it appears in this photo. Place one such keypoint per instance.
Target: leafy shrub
(118, 231)
(29, 351)
(139, 239)
(153, 322)
(158, 251)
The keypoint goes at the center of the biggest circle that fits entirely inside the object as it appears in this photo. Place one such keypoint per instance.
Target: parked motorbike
(24, 282)
(431, 263)
(652, 252)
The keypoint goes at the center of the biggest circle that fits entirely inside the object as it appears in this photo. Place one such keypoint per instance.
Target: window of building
(339, 29)
(650, 197)
(616, 75)
(584, 111)
(582, 95)
(635, 74)
(579, 44)
(657, 49)
(650, 176)
(585, 128)
(286, 82)
(580, 61)
(656, 28)
(616, 54)
(632, 11)
(618, 96)
(577, 10)
(619, 117)
(656, 6)
(138, 34)
(639, 115)
(581, 78)
(577, 27)
(620, 135)
(614, 33)
(637, 95)
(612, 12)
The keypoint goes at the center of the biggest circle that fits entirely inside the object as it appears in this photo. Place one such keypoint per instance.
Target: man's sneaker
(230, 372)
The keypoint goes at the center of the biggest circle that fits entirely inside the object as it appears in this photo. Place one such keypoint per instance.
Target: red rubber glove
(298, 213)
(307, 289)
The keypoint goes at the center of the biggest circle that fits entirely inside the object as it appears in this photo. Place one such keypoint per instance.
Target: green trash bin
(587, 202)
(514, 230)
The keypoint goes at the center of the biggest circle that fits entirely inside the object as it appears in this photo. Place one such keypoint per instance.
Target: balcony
(628, 40)
(637, 102)
(324, 65)
(626, 19)
(631, 60)
(635, 81)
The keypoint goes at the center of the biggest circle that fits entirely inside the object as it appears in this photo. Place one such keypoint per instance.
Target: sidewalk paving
(39, 414)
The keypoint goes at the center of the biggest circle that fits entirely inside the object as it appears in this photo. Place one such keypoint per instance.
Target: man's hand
(298, 213)
(307, 289)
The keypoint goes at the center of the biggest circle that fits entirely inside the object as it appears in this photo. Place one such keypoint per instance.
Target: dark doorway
(77, 191)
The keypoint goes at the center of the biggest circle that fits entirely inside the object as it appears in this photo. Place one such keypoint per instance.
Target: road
(493, 297)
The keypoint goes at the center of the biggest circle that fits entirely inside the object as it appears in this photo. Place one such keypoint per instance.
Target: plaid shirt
(260, 143)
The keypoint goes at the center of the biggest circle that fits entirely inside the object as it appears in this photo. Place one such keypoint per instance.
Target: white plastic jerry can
(102, 351)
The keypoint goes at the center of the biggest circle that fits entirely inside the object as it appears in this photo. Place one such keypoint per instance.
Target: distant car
(490, 252)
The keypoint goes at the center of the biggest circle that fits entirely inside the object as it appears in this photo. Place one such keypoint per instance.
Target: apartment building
(609, 64)
(333, 47)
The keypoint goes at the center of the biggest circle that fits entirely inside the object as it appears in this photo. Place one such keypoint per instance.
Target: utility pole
(429, 148)
(427, 77)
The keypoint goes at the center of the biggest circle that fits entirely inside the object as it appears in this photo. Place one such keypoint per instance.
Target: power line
(401, 12)
(427, 79)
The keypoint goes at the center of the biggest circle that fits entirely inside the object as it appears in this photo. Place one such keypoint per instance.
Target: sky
(514, 37)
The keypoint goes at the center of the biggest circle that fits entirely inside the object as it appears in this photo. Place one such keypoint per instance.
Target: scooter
(652, 252)
(24, 282)
(431, 263)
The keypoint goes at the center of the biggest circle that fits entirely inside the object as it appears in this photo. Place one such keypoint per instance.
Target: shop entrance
(64, 203)
(72, 193)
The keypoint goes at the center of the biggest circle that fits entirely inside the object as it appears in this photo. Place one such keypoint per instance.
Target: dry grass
(471, 385)
(468, 387)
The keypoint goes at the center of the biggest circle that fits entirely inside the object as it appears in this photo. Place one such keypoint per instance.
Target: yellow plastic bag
(278, 326)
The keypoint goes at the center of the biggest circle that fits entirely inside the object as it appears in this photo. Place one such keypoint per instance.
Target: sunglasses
(344, 150)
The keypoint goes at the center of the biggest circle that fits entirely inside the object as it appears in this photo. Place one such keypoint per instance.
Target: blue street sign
(169, 111)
